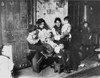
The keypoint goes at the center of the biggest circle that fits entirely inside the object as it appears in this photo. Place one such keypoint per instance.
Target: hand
(57, 37)
(61, 46)
(90, 37)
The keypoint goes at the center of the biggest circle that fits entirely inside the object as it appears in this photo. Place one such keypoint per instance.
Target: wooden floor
(46, 73)
(49, 72)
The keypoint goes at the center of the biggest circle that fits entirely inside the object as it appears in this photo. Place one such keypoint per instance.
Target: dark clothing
(64, 60)
(38, 47)
(58, 29)
(85, 35)
(63, 53)
(62, 40)
(65, 42)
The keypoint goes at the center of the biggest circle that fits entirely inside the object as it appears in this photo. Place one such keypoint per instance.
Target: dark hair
(57, 19)
(32, 28)
(40, 21)
(1, 47)
(66, 18)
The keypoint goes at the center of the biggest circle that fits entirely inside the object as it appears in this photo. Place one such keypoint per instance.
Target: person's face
(57, 23)
(41, 25)
(65, 21)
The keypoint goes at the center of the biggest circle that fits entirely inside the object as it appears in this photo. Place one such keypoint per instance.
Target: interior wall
(94, 14)
(13, 29)
(50, 9)
(31, 12)
(94, 20)
(76, 11)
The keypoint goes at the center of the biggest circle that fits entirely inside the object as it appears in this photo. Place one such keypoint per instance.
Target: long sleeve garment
(66, 28)
(32, 37)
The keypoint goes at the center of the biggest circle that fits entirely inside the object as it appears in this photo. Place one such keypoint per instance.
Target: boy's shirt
(66, 28)
(33, 38)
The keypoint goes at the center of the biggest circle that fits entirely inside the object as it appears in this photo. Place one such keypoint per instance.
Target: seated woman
(60, 32)
(6, 65)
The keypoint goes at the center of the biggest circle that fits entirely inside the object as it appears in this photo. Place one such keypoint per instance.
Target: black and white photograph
(49, 38)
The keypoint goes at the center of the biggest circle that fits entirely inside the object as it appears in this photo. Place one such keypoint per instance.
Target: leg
(98, 58)
(34, 63)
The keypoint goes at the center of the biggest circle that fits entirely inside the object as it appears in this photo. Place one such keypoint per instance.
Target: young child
(66, 28)
(49, 40)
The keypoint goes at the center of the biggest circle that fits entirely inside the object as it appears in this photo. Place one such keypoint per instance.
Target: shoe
(81, 65)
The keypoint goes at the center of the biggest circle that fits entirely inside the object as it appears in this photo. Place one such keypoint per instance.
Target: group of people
(55, 40)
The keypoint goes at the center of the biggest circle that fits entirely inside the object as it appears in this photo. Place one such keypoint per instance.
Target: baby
(55, 46)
